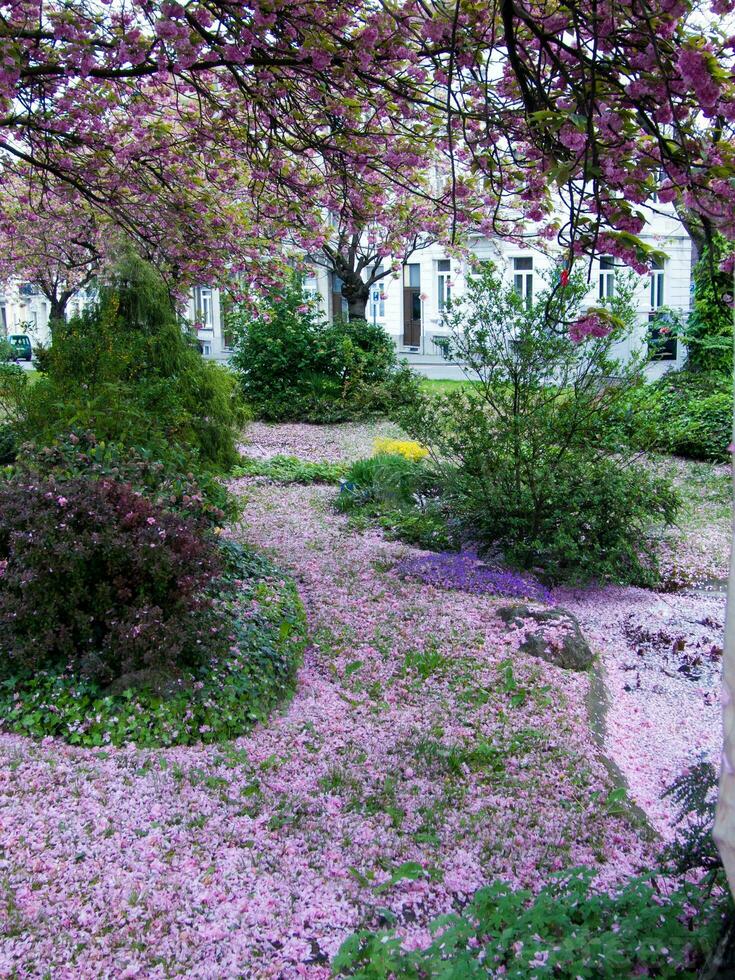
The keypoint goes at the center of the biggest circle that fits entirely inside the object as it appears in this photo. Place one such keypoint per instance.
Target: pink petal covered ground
(408, 739)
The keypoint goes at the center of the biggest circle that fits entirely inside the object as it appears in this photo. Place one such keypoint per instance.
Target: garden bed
(422, 756)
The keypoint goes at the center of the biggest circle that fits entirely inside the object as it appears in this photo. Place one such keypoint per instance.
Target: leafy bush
(695, 414)
(291, 469)
(398, 494)
(8, 444)
(686, 413)
(384, 480)
(567, 930)
(708, 334)
(7, 351)
(533, 459)
(218, 700)
(295, 366)
(174, 482)
(125, 370)
(98, 580)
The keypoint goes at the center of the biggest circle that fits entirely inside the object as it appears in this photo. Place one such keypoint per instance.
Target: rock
(558, 639)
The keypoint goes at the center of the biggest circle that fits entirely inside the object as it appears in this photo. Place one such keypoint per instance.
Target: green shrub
(291, 469)
(534, 459)
(8, 444)
(708, 333)
(218, 701)
(7, 351)
(398, 495)
(98, 580)
(567, 930)
(295, 366)
(695, 414)
(174, 481)
(383, 480)
(686, 413)
(125, 369)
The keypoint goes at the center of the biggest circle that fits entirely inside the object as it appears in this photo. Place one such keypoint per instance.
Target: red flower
(564, 277)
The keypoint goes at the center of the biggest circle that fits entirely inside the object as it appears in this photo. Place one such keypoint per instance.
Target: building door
(412, 305)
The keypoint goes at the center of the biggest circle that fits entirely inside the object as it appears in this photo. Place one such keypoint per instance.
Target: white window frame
(377, 290)
(657, 284)
(443, 284)
(607, 277)
(523, 277)
(204, 307)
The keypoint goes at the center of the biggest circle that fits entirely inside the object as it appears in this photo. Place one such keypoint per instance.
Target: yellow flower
(398, 447)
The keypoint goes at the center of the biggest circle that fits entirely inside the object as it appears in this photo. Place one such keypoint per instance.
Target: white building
(24, 309)
(410, 305)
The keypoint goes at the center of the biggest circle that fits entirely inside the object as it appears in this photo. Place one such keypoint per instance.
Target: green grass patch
(291, 469)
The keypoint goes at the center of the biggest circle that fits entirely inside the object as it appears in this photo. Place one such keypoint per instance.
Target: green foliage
(385, 480)
(399, 495)
(8, 444)
(218, 701)
(694, 793)
(533, 457)
(295, 366)
(125, 369)
(708, 334)
(174, 481)
(686, 413)
(291, 469)
(7, 351)
(13, 392)
(567, 930)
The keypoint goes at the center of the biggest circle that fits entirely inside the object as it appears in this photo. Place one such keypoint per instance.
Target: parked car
(22, 344)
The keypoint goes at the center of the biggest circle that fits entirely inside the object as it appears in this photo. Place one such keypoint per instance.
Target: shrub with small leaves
(173, 479)
(220, 699)
(96, 576)
(567, 930)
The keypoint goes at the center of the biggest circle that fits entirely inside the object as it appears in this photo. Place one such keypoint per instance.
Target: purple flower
(466, 572)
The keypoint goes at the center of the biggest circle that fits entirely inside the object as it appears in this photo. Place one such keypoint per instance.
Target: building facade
(409, 305)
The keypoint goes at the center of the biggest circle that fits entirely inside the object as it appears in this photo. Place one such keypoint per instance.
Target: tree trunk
(57, 311)
(357, 294)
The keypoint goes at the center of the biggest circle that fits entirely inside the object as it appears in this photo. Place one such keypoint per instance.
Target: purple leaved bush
(466, 571)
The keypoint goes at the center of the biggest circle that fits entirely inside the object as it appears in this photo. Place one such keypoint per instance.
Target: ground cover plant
(294, 365)
(163, 675)
(290, 469)
(532, 459)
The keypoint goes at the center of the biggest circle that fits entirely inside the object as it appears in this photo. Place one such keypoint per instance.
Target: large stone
(551, 634)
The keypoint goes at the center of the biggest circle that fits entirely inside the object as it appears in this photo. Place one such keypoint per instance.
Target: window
(412, 304)
(657, 284)
(523, 278)
(206, 350)
(444, 283)
(340, 308)
(203, 310)
(607, 277)
(377, 296)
